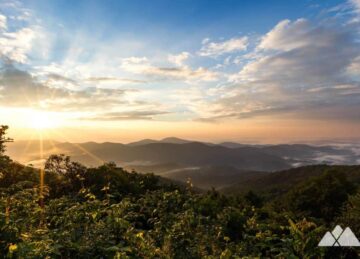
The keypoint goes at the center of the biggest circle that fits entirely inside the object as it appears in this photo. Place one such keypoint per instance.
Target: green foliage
(321, 197)
(107, 212)
(253, 199)
(3, 139)
(4, 160)
(351, 213)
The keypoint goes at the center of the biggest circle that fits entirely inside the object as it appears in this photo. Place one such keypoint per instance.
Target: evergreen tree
(4, 160)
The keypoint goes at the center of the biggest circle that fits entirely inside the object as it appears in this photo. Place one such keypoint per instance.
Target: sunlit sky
(247, 71)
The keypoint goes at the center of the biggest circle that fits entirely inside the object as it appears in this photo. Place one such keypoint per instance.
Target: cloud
(114, 79)
(356, 5)
(17, 36)
(354, 68)
(16, 45)
(90, 98)
(126, 115)
(303, 54)
(205, 40)
(57, 77)
(238, 60)
(184, 73)
(141, 65)
(135, 64)
(20, 89)
(299, 70)
(3, 24)
(287, 35)
(338, 111)
(179, 59)
(215, 49)
(197, 102)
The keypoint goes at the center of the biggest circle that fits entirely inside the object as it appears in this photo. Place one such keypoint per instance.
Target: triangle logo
(348, 238)
(339, 237)
(327, 240)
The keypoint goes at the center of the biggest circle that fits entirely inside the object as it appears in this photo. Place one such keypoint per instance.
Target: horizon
(127, 71)
(317, 142)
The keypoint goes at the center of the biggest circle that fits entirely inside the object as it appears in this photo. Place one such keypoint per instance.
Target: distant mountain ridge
(207, 164)
(294, 154)
(169, 140)
(187, 154)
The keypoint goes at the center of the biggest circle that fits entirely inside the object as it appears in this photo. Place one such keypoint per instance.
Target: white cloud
(296, 64)
(20, 89)
(302, 54)
(356, 4)
(16, 45)
(135, 64)
(193, 100)
(354, 68)
(205, 40)
(126, 115)
(238, 60)
(293, 63)
(287, 35)
(19, 36)
(141, 65)
(179, 59)
(3, 24)
(219, 48)
(227, 60)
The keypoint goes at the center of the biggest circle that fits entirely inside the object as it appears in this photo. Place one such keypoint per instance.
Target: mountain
(186, 155)
(282, 181)
(174, 140)
(142, 142)
(189, 154)
(212, 176)
(208, 165)
(169, 140)
(232, 145)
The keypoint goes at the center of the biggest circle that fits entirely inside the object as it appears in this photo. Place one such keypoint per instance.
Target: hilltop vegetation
(108, 212)
(280, 182)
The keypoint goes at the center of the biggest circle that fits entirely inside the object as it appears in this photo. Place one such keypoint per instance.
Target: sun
(41, 120)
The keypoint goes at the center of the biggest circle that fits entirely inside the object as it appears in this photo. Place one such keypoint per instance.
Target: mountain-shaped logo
(339, 237)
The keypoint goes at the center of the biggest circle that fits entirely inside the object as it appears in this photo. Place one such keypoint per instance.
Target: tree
(4, 160)
(253, 199)
(321, 197)
(62, 173)
(351, 213)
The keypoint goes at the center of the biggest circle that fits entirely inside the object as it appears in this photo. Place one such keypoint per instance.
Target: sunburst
(41, 120)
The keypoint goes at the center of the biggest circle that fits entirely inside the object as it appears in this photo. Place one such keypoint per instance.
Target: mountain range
(206, 164)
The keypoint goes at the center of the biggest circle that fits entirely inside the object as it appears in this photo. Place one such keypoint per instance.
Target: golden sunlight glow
(41, 120)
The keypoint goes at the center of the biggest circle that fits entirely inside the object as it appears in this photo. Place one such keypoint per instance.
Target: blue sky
(171, 25)
(236, 68)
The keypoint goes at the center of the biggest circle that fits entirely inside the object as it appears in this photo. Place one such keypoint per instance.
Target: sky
(246, 71)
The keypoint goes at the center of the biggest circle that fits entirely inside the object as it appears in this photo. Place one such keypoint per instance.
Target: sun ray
(93, 156)
(41, 120)
(42, 172)
(27, 146)
(53, 145)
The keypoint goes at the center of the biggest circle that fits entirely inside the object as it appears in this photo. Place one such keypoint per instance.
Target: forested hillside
(108, 212)
(282, 181)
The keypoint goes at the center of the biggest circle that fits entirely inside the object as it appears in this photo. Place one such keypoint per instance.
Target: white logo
(339, 237)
